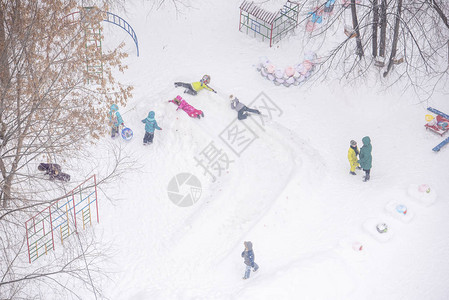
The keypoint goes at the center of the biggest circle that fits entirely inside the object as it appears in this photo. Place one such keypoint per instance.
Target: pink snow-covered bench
(189, 109)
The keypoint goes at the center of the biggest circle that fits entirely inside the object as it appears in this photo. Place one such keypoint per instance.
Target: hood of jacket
(366, 141)
(248, 245)
(114, 108)
(151, 115)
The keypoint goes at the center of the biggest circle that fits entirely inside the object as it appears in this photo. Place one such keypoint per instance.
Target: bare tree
(383, 28)
(47, 105)
(76, 267)
(375, 26)
(395, 37)
(56, 88)
(414, 33)
(355, 25)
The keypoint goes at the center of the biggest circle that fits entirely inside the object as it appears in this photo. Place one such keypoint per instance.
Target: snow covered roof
(257, 11)
(267, 11)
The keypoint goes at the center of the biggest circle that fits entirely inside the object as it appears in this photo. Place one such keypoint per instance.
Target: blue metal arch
(117, 20)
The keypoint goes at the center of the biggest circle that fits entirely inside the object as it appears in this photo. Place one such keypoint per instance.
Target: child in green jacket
(366, 157)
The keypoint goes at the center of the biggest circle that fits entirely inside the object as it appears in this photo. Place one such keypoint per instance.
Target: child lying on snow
(241, 108)
(54, 171)
(194, 87)
(189, 109)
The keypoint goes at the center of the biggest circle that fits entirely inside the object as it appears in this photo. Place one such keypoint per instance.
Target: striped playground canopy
(260, 13)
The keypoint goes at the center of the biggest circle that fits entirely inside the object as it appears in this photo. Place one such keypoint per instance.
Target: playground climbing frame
(62, 218)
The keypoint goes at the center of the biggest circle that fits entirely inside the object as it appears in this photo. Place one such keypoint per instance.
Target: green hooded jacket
(365, 153)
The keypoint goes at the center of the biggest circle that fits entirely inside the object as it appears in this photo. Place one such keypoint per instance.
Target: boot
(352, 173)
(366, 178)
(247, 274)
(255, 267)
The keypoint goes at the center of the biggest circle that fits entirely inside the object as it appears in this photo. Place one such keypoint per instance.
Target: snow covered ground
(289, 191)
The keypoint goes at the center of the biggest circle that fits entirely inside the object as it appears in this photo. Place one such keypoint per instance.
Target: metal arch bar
(125, 27)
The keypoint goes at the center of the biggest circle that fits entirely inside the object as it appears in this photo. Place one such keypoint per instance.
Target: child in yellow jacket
(194, 87)
(353, 152)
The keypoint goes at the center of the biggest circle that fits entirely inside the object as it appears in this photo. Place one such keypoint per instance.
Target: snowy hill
(289, 191)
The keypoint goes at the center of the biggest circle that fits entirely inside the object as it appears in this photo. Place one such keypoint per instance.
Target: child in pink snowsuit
(189, 109)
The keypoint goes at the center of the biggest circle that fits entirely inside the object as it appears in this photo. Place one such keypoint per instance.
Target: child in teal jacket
(366, 157)
(150, 126)
(115, 120)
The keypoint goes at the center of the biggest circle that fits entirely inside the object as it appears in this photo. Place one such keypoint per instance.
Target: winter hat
(231, 96)
(353, 143)
(205, 79)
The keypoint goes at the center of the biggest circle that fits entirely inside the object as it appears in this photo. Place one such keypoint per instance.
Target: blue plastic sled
(127, 134)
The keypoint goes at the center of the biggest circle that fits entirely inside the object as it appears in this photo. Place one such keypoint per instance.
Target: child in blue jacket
(115, 120)
(248, 256)
(150, 126)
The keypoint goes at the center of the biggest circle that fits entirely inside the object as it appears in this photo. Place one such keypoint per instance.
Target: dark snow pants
(114, 131)
(148, 138)
(188, 86)
(248, 270)
(242, 115)
(367, 174)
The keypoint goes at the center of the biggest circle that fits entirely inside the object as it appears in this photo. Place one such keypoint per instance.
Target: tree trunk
(4, 68)
(355, 25)
(395, 38)
(375, 25)
(383, 28)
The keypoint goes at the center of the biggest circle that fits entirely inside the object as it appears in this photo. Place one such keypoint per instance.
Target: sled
(127, 134)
